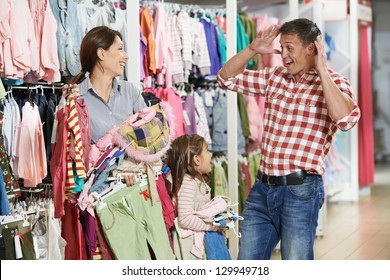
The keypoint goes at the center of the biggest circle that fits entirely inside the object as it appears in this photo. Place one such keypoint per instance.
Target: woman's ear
(100, 53)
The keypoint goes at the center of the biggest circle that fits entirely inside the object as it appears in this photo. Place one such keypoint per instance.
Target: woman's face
(115, 58)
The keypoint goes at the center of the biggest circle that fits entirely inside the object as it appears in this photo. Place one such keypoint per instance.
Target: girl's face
(203, 161)
(116, 58)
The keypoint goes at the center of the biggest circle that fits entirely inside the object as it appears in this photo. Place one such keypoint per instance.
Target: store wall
(381, 78)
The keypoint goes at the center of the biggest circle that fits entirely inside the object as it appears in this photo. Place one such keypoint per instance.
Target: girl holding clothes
(190, 162)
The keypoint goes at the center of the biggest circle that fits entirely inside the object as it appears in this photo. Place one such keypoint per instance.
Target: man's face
(296, 58)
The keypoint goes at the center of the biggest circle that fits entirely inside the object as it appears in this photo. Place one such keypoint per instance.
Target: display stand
(345, 61)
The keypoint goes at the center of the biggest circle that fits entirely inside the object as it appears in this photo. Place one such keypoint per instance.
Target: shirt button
(110, 113)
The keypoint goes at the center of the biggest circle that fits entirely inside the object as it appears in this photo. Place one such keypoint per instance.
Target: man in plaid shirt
(305, 104)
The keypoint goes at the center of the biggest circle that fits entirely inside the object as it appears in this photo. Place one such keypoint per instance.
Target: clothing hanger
(117, 184)
(4, 220)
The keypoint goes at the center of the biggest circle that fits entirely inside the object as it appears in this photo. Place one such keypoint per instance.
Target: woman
(109, 100)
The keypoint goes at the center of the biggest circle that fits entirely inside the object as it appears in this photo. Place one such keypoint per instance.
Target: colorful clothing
(298, 129)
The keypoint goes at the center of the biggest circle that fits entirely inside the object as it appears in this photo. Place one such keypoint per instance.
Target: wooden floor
(358, 231)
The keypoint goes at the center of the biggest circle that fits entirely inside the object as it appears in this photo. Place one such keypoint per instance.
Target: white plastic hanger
(114, 187)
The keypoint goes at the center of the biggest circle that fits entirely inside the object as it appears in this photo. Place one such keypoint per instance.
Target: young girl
(190, 162)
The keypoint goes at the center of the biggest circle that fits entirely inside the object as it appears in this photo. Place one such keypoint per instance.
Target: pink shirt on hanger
(30, 147)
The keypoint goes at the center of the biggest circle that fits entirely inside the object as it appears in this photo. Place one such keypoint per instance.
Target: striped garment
(74, 140)
(298, 130)
(192, 195)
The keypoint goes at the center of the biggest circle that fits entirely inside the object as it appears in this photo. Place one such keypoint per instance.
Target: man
(305, 104)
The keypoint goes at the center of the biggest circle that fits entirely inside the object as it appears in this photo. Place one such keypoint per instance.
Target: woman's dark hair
(98, 37)
(180, 159)
(306, 30)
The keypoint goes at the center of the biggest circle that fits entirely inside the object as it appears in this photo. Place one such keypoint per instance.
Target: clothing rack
(195, 8)
(20, 216)
(25, 87)
(40, 86)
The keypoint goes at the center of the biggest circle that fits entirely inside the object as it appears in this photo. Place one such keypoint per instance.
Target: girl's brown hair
(180, 159)
(96, 38)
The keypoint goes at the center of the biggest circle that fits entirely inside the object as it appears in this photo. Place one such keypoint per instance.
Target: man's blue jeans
(286, 212)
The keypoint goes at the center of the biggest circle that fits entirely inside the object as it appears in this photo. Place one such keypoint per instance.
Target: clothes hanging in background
(28, 50)
(37, 230)
(212, 45)
(4, 204)
(31, 153)
(146, 26)
(249, 26)
(11, 184)
(330, 46)
(366, 130)
(2, 90)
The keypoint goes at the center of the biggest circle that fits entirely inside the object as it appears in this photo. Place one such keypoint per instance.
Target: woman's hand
(129, 179)
(70, 90)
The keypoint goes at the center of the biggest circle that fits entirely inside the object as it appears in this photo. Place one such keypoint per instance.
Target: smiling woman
(110, 100)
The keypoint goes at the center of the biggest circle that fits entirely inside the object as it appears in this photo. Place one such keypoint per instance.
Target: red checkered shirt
(298, 130)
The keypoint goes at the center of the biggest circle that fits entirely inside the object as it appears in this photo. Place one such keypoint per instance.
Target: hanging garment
(146, 135)
(174, 100)
(4, 204)
(200, 56)
(212, 45)
(164, 55)
(69, 35)
(130, 222)
(249, 27)
(366, 130)
(216, 248)
(72, 231)
(146, 25)
(202, 126)
(189, 113)
(75, 164)
(105, 250)
(89, 228)
(58, 162)
(11, 184)
(2, 91)
(30, 148)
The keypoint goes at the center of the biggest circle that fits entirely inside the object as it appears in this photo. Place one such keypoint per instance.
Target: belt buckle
(268, 182)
